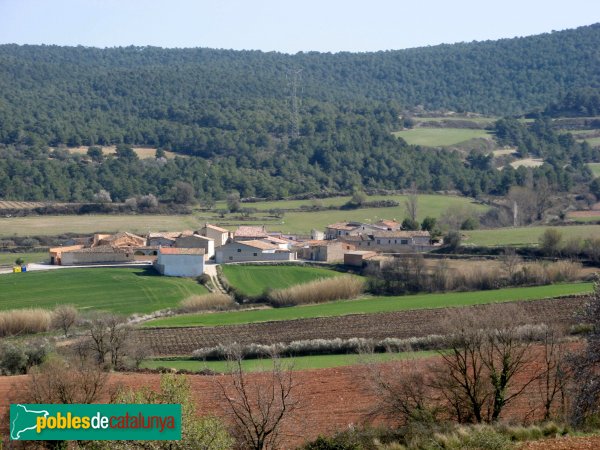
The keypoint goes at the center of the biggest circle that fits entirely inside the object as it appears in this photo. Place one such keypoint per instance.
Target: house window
(255, 254)
(368, 244)
(231, 258)
(378, 241)
(239, 250)
(404, 241)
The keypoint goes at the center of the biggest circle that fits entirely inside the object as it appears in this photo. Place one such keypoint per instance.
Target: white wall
(180, 265)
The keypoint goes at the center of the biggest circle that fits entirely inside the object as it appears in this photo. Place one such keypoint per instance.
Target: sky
(285, 26)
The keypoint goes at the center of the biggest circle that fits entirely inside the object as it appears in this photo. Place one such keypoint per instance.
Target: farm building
(164, 239)
(119, 240)
(250, 233)
(56, 253)
(392, 241)
(388, 225)
(217, 234)
(101, 254)
(358, 258)
(338, 230)
(322, 250)
(180, 262)
(252, 250)
(197, 241)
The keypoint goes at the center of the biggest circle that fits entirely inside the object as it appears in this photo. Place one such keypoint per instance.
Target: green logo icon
(147, 422)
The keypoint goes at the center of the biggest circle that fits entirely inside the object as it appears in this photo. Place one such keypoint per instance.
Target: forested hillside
(233, 109)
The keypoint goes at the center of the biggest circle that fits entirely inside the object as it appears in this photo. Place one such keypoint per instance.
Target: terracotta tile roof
(274, 240)
(345, 226)
(250, 231)
(181, 251)
(258, 244)
(172, 235)
(99, 249)
(122, 235)
(320, 243)
(357, 238)
(400, 234)
(388, 223)
(216, 228)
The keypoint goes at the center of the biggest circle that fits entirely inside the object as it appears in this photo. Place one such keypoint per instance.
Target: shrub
(13, 360)
(318, 291)
(203, 279)
(206, 302)
(24, 321)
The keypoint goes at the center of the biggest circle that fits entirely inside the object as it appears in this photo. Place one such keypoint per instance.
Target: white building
(254, 250)
(180, 262)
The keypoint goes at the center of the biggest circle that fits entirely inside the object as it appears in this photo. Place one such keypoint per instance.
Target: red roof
(181, 251)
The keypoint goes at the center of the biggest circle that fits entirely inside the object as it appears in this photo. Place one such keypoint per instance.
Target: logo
(148, 422)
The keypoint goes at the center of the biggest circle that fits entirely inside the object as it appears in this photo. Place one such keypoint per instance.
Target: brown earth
(400, 324)
(564, 443)
(332, 400)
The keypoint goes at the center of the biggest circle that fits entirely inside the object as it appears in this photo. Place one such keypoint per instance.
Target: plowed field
(401, 324)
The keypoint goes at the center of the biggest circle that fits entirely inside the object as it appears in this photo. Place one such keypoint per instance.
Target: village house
(388, 225)
(252, 250)
(323, 250)
(165, 239)
(250, 233)
(101, 254)
(358, 258)
(180, 262)
(338, 230)
(219, 235)
(392, 241)
(119, 240)
(197, 241)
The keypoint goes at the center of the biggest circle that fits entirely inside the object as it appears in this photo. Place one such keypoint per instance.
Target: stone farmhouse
(391, 241)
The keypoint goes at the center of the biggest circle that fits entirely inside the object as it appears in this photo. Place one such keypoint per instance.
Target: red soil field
(332, 400)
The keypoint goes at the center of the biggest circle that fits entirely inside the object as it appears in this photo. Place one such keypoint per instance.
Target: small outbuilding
(180, 262)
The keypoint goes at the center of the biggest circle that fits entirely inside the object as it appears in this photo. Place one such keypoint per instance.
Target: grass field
(254, 280)
(9, 258)
(373, 305)
(120, 290)
(141, 152)
(55, 225)
(296, 363)
(292, 222)
(525, 235)
(595, 168)
(440, 137)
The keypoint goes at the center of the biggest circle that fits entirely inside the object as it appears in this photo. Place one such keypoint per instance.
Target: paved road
(35, 266)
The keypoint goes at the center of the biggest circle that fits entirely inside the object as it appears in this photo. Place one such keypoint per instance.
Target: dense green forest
(232, 114)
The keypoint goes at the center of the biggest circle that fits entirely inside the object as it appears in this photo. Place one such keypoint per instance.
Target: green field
(429, 205)
(87, 224)
(9, 258)
(120, 290)
(292, 222)
(595, 168)
(296, 363)
(440, 137)
(254, 280)
(373, 305)
(525, 235)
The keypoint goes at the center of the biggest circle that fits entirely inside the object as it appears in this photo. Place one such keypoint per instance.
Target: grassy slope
(297, 363)
(55, 225)
(374, 305)
(293, 222)
(253, 280)
(525, 235)
(9, 258)
(120, 290)
(595, 167)
(440, 137)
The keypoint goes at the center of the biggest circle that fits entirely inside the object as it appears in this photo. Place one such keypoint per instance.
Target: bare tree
(70, 380)
(403, 392)
(108, 335)
(526, 201)
(64, 317)
(553, 379)
(510, 262)
(412, 203)
(585, 365)
(259, 405)
(485, 356)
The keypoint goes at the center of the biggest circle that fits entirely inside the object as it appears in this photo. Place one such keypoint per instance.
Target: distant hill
(234, 111)
(76, 95)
